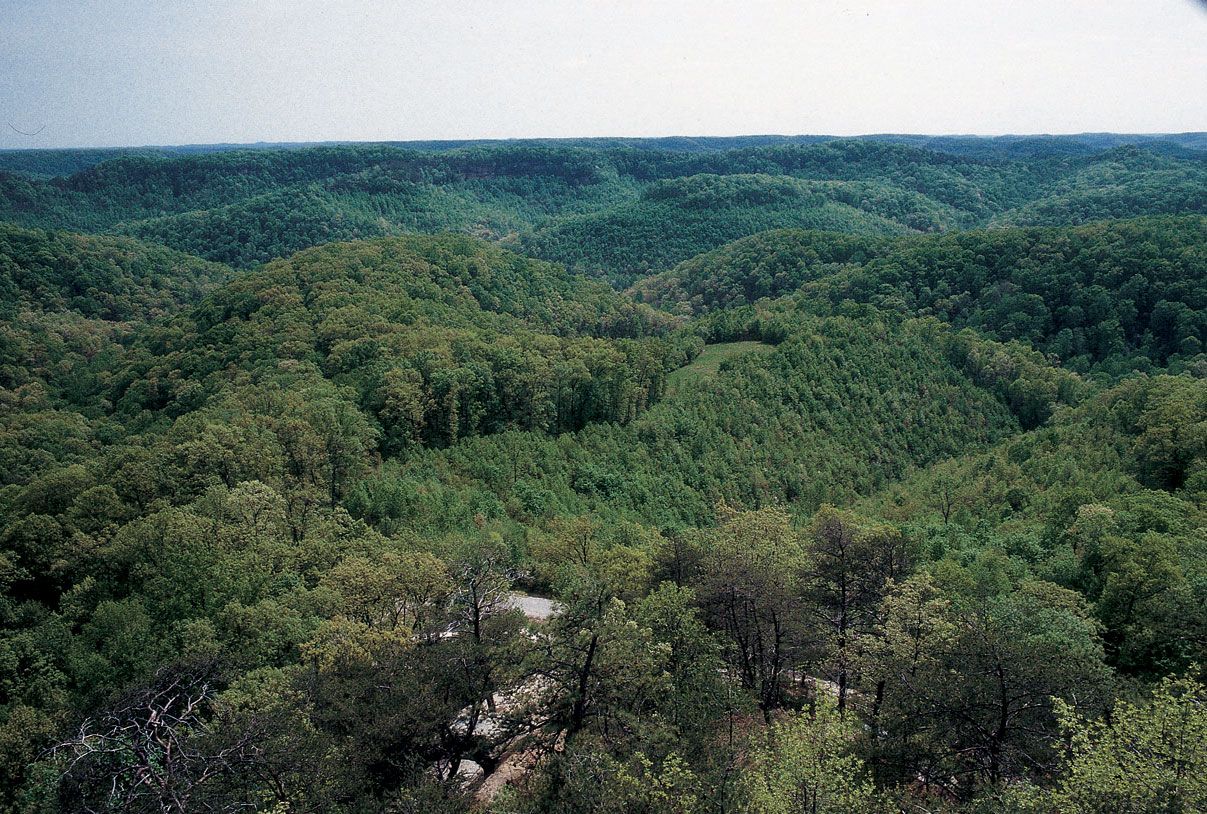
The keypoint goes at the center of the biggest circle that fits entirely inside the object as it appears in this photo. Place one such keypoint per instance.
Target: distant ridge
(64, 161)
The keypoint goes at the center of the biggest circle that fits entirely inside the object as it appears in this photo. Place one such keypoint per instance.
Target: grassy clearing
(708, 363)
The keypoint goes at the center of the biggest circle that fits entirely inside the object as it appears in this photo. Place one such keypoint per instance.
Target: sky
(91, 73)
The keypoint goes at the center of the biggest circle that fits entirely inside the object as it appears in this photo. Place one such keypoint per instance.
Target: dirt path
(537, 608)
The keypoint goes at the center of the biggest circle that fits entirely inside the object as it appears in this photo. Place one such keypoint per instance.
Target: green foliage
(66, 301)
(807, 765)
(1121, 183)
(244, 207)
(834, 527)
(677, 219)
(1148, 757)
(439, 338)
(967, 684)
(1073, 502)
(767, 264)
(749, 572)
(612, 207)
(100, 278)
(1112, 297)
(707, 364)
(804, 424)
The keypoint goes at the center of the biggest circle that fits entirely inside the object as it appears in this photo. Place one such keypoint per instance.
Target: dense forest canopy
(672, 476)
(1116, 294)
(596, 205)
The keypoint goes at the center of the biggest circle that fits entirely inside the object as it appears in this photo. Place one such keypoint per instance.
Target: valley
(605, 475)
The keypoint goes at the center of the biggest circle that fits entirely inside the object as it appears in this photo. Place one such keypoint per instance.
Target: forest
(668, 476)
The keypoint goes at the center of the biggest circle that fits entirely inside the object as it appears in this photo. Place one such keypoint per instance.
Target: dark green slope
(59, 162)
(1111, 296)
(840, 408)
(68, 303)
(1121, 183)
(370, 204)
(265, 227)
(611, 208)
(1140, 438)
(680, 218)
(111, 278)
(243, 208)
(1109, 499)
(140, 187)
(437, 337)
(66, 299)
(767, 264)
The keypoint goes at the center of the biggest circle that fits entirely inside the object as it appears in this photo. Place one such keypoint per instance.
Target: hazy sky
(90, 73)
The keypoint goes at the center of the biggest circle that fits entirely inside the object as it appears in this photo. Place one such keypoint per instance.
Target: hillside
(64, 298)
(51, 163)
(678, 219)
(439, 337)
(886, 471)
(597, 204)
(110, 278)
(1110, 296)
(1121, 183)
(829, 414)
(1108, 499)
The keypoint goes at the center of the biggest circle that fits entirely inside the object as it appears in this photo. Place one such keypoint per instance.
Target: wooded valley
(861, 475)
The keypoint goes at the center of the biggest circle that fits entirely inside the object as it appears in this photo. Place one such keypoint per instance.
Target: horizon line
(263, 143)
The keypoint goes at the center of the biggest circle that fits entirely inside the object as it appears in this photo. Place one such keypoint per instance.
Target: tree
(393, 591)
(287, 761)
(806, 764)
(851, 564)
(1172, 425)
(597, 668)
(628, 702)
(1146, 758)
(970, 681)
(748, 585)
(916, 625)
(345, 442)
(388, 699)
(147, 752)
(700, 694)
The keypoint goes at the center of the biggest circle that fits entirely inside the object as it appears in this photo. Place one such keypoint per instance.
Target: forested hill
(677, 219)
(1111, 296)
(438, 337)
(599, 206)
(54, 162)
(66, 299)
(113, 278)
(864, 475)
